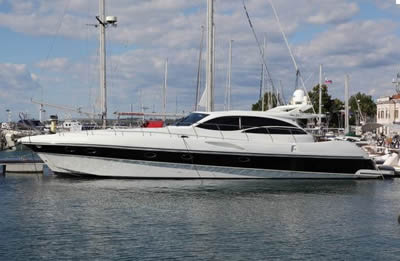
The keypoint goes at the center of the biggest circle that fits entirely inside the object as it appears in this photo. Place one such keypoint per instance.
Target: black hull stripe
(250, 161)
(34, 146)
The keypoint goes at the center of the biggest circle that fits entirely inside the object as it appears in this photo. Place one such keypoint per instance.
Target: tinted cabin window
(275, 130)
(223, 123)
(250, 122)
(298, 131)
(190, 119)
(257, 130)
(281, 131)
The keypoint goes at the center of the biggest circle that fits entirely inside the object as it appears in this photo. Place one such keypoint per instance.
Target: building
(387, 114)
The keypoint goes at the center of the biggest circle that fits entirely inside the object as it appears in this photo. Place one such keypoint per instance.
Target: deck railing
(270, 131)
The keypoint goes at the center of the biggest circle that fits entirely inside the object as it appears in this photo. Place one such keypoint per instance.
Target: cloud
(366, 43)
(367, 50)
(16, 77)
(17, 85)
(385, 4)
(342, 12)
(55, 64)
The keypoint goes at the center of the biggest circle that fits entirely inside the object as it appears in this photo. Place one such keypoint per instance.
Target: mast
(282, 96)
(228, 84)
(210, 56)
(103, 87)
(165, 89)
(40, 112)
(263, 82)
(320, 96)
(103, 23)
(346, 105)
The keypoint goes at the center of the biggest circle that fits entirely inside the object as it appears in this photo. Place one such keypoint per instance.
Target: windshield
(190, 119)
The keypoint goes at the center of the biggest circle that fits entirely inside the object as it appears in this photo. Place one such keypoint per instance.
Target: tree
(335, 116)
(332, 108)
(367, 108)
(326, 98)
(258, 106)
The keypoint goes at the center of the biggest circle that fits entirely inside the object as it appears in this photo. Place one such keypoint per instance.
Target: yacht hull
(197, 153)
(96, 167)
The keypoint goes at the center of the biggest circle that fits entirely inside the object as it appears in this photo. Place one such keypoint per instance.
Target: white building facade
(387, 114)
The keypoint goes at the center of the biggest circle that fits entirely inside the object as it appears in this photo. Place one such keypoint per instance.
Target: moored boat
(234, 144)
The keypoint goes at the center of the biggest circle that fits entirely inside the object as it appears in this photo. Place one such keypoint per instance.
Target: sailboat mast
(165, 89)
(103, 87)
(346, 105)
(230, 75)
(320, 96)
(263, 82)
(210, 56)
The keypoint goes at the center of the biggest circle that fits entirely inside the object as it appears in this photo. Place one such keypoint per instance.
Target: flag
(328, 81)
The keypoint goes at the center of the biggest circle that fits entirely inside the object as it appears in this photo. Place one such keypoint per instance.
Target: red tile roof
(395, 96)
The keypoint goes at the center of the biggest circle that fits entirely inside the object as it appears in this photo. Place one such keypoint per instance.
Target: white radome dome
(298, 96)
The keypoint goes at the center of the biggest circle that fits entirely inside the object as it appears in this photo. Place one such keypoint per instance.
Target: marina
(199, 130)
(209, 144)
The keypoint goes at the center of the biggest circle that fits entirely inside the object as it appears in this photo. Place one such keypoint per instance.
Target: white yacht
(233, 144)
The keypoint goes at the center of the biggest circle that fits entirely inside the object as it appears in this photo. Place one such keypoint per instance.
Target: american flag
(328, 81)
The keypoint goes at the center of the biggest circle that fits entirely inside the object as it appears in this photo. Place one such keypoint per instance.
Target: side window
(190, 119)
(281, 131)
(250, 122)
(298, 131)
(257, 130)
(223, 123)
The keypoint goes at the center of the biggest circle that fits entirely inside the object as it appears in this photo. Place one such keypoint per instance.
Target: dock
(21, 166)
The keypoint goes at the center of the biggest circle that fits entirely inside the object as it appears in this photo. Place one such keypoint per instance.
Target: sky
(50, 51)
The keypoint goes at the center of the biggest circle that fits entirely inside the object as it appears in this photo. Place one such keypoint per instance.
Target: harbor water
(45, 217)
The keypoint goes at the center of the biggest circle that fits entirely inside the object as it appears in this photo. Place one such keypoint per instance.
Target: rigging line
(290, 51)
(258, 44)
(90, 76)
(309, 77)
(296, 84)
(112, 70)
(66, 7)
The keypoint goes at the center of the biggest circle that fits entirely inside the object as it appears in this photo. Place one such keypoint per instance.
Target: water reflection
(223, 186)
(48, 217)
